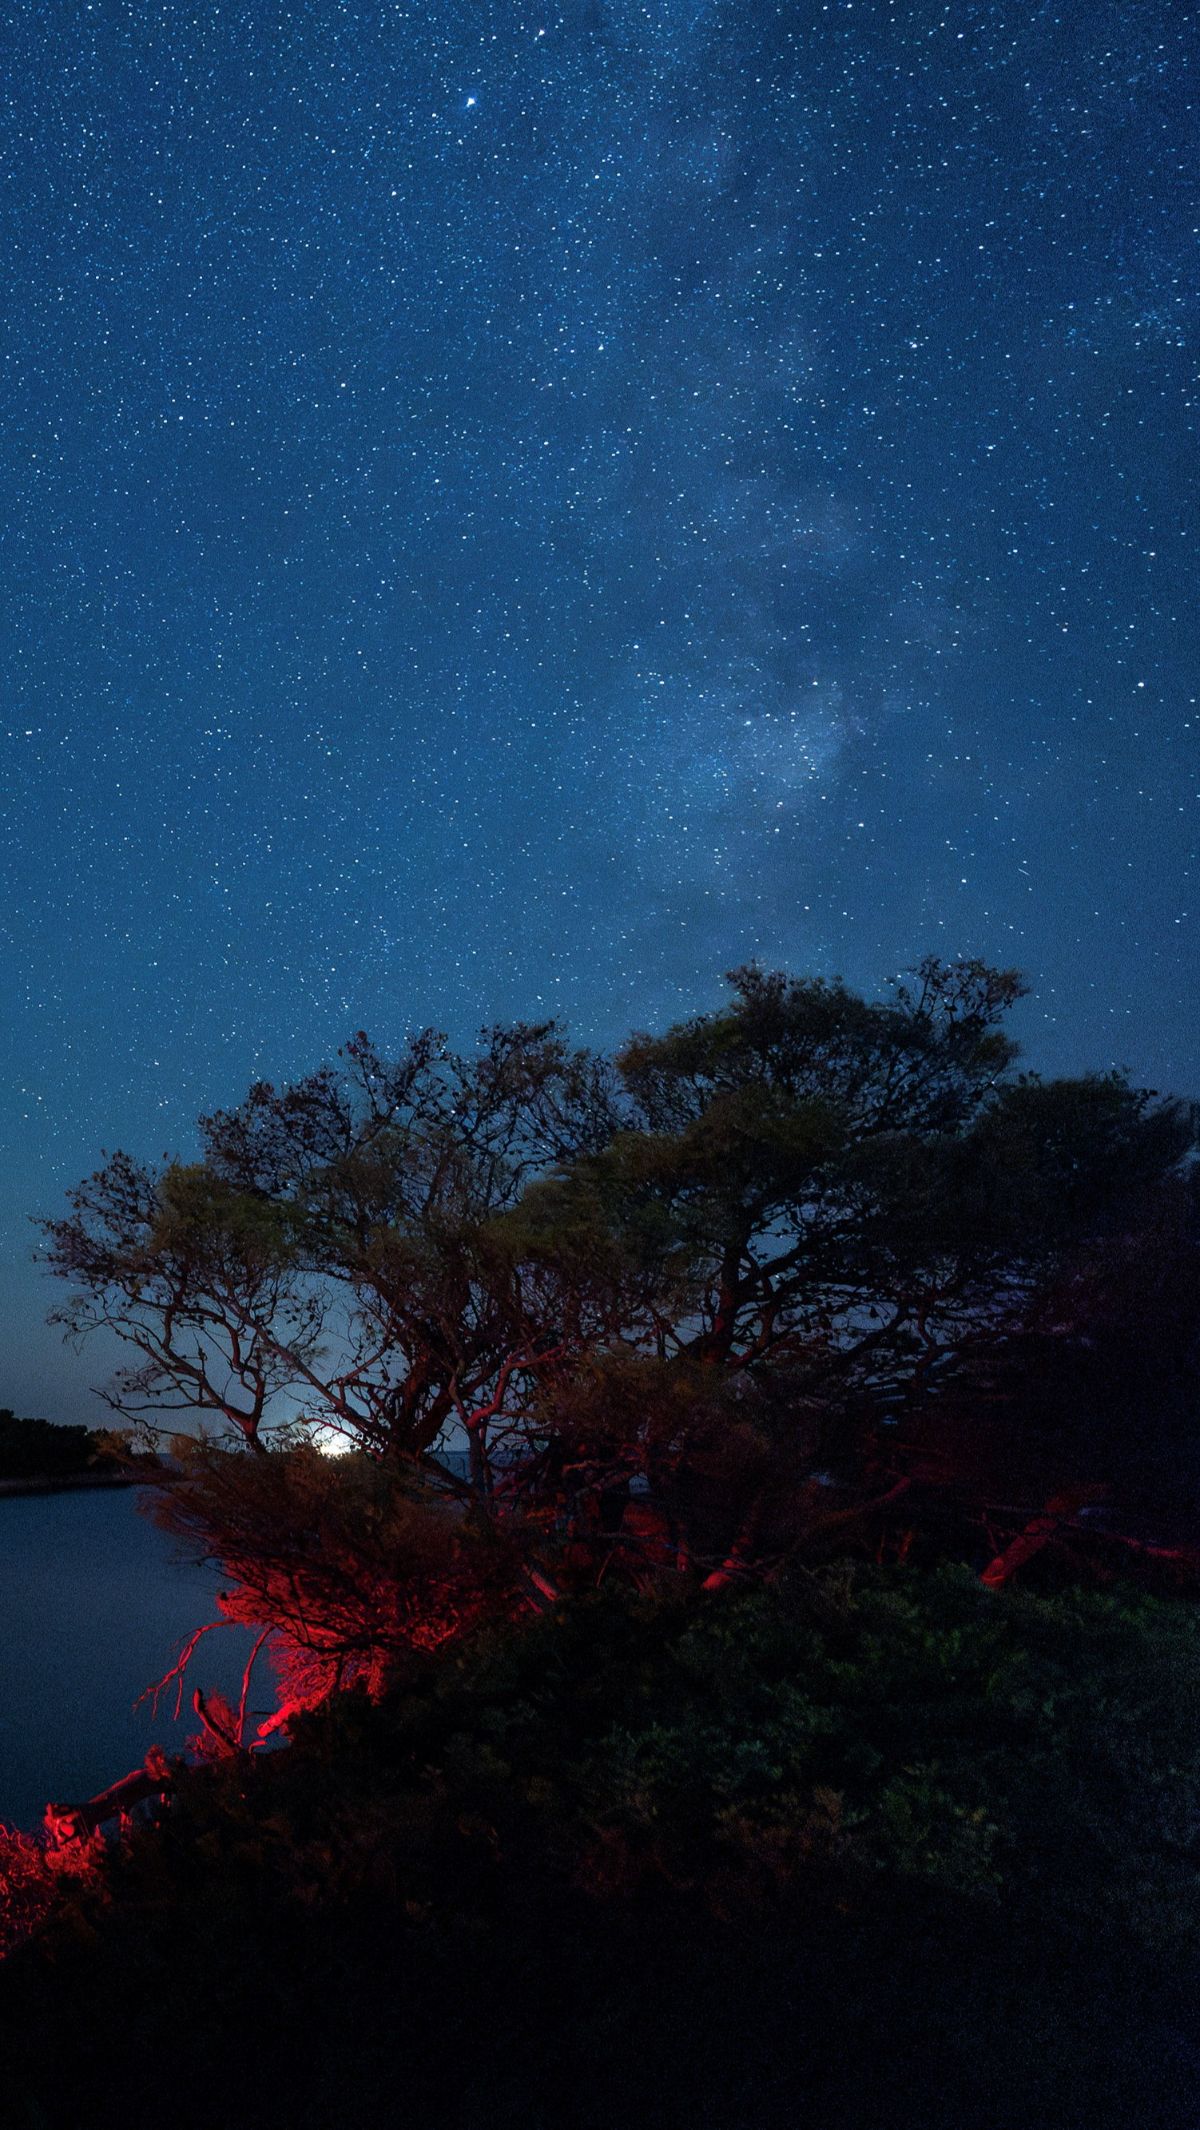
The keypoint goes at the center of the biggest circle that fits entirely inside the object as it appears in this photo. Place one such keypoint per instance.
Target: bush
(758, 1843)
(39, 1449)
(348, 1564)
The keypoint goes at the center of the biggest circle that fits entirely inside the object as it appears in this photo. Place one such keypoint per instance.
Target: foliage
(643, 1755)
(1042, 1753)
(27, 1887)
(1105, 1373)
(529, 1852)
(43, 1449)
(331, 1245)
(350, 1567)
(685, 1308)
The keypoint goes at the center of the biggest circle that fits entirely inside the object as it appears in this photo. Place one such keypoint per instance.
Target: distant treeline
(41, 1449)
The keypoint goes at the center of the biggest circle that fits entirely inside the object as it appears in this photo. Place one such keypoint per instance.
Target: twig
(241, 1721)
(151, 1693)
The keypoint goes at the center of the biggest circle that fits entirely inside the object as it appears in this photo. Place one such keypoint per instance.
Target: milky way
(508, 513)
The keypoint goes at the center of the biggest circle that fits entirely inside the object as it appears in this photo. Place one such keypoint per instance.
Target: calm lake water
(94, 1605)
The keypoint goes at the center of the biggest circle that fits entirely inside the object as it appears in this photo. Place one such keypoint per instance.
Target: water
(94, 1605)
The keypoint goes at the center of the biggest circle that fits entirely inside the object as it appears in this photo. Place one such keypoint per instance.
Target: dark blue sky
(508, 510)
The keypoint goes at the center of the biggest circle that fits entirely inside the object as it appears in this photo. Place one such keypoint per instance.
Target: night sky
(509, 512)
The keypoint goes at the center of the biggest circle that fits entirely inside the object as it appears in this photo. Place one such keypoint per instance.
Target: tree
(42, 1449)
(1098, 1386)
(328, 1255)
(674, 1304)
(822, 1208)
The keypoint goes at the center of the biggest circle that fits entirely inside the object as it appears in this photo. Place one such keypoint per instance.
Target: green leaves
(200, 1218)
(1040, 1754)
(1059, 1160)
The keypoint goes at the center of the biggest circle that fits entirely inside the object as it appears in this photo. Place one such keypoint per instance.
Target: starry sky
(509, 511)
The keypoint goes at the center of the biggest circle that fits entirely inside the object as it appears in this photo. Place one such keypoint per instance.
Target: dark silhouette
(713, 1690)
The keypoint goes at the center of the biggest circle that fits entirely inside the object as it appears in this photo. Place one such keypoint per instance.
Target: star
(651, 538)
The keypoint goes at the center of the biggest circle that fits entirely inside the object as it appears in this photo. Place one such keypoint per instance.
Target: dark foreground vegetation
(872, 1847)
(745, 1671)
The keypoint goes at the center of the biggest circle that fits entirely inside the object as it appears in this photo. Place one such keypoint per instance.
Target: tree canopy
(680, 1309)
